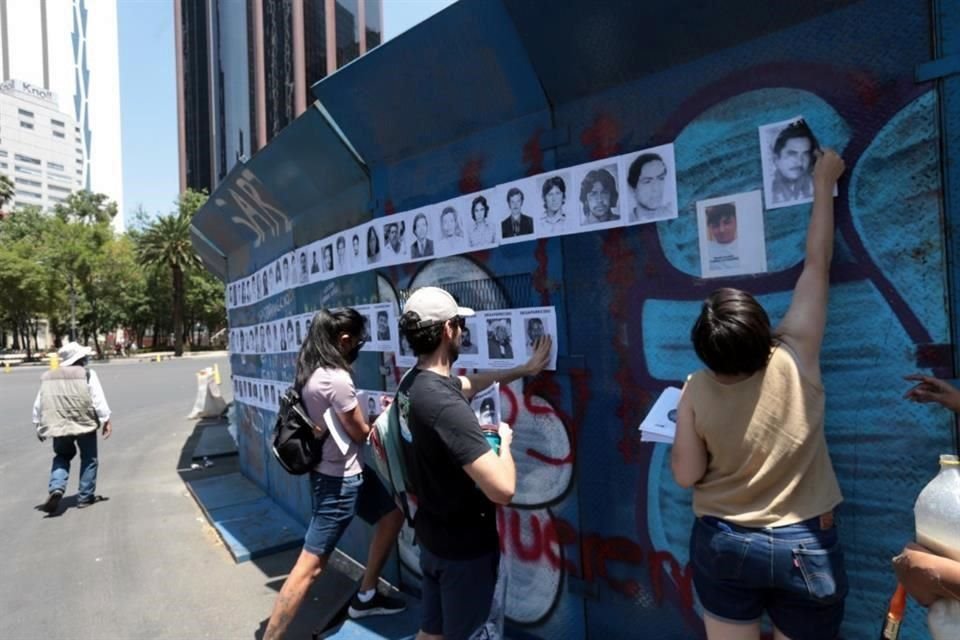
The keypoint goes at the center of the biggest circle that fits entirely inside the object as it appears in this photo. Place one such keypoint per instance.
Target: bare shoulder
(808, 364)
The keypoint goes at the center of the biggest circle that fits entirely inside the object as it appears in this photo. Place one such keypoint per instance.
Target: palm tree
(165, 243)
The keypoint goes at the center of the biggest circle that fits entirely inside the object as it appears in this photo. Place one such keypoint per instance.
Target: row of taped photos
(285, 335)
(629, 189)
(633, 188)
(495, 339)
(265, 394)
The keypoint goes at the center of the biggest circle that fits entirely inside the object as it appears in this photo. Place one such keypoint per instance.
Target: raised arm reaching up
(803, 326)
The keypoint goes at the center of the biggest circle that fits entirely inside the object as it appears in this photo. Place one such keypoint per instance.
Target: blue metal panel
(215, 261)
(305, 174)
(492, 90)
(607, 45)
(947, 41)
(418, 92)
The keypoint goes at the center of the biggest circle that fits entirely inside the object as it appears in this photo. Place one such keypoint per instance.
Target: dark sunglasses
(460, 321)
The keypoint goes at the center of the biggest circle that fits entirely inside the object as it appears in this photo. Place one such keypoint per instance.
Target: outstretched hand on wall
(930, 389)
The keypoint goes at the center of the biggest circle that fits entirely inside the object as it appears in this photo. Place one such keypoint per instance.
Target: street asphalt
(144, 563)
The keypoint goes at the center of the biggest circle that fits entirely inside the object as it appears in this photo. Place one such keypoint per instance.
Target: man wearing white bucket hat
(70, 407)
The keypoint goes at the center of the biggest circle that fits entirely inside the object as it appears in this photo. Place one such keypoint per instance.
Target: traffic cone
(54, 362)
(6, 367)
(216, 373)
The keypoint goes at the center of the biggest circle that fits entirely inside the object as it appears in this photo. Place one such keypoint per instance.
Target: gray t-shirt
(327, 393)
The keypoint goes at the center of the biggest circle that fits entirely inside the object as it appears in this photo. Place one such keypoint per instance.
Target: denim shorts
(336, 500)
(794, 573)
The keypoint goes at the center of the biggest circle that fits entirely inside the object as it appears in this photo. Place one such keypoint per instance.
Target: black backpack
(297, 440)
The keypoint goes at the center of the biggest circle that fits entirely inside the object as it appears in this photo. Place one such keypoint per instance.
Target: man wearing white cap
(456, 475)
(70, 407)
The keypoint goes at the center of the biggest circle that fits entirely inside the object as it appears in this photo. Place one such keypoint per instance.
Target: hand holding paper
(660, 425)
(541, 356)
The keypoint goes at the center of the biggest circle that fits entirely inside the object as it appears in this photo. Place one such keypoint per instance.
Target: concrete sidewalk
(254, 527)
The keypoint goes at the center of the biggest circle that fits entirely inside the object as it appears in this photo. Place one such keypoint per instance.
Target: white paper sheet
(660, 425)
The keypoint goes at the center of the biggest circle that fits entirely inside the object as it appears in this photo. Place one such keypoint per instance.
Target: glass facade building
(245, 67)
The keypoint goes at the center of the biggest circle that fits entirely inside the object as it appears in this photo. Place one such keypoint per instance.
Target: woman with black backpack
(323, 381)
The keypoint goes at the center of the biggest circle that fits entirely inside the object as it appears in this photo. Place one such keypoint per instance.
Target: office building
(39, 146)
(245, 67)
(66, 51)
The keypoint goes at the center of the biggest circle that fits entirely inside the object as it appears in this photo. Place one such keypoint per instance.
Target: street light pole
(73, 312)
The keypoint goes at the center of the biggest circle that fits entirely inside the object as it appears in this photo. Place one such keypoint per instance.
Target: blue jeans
(336, 500)
(64, 448)
(794, 573)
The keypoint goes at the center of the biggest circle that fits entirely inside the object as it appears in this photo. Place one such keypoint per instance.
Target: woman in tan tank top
(750, 442)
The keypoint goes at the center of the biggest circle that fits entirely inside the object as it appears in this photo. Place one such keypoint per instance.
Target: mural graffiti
(596, 539)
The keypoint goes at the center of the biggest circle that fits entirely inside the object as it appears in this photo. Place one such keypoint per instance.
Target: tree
(165, 244)
(6, 191)
(82, 229)
(30, 283)
(204, 303)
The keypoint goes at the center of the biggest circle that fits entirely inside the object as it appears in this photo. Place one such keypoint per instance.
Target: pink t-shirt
(327, 393)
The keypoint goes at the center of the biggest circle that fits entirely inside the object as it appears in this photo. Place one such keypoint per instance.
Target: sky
(148, 94)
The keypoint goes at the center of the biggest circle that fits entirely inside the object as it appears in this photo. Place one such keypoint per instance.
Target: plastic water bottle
(944, 619)
(493, 437)
(937, 511)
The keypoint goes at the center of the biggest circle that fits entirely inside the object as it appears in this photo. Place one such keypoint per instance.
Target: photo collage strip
(287, 334)
(490, 340)
(498, 339)
(629, 189)
(265, 394)
(258, 392)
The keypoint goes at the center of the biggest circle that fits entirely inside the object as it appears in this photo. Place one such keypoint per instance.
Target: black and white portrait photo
(328, 259)
(481, 231)
(554, 220)
(366, 330)
(383, 326)
(515, 223)
(314, 263)
(533, 329)
(356, 255)
(452, 239)
(394, 239)
(598, 195)
(650, 192)
(340, 267)
(304, 275)
(373, 245)
(500, 339)
(788, 151)
(422, 245)
(468, 338)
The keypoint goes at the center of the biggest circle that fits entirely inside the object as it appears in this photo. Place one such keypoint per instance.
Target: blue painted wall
(486, 92)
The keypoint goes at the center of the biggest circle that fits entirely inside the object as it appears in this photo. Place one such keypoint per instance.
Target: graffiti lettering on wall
(258, 213)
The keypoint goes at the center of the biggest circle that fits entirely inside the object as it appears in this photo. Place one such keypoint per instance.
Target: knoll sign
(19, 86)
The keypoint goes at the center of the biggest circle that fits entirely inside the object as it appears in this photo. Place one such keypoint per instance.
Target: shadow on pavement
(66, 503)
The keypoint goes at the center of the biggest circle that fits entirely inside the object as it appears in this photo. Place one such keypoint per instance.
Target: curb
(148, 357)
